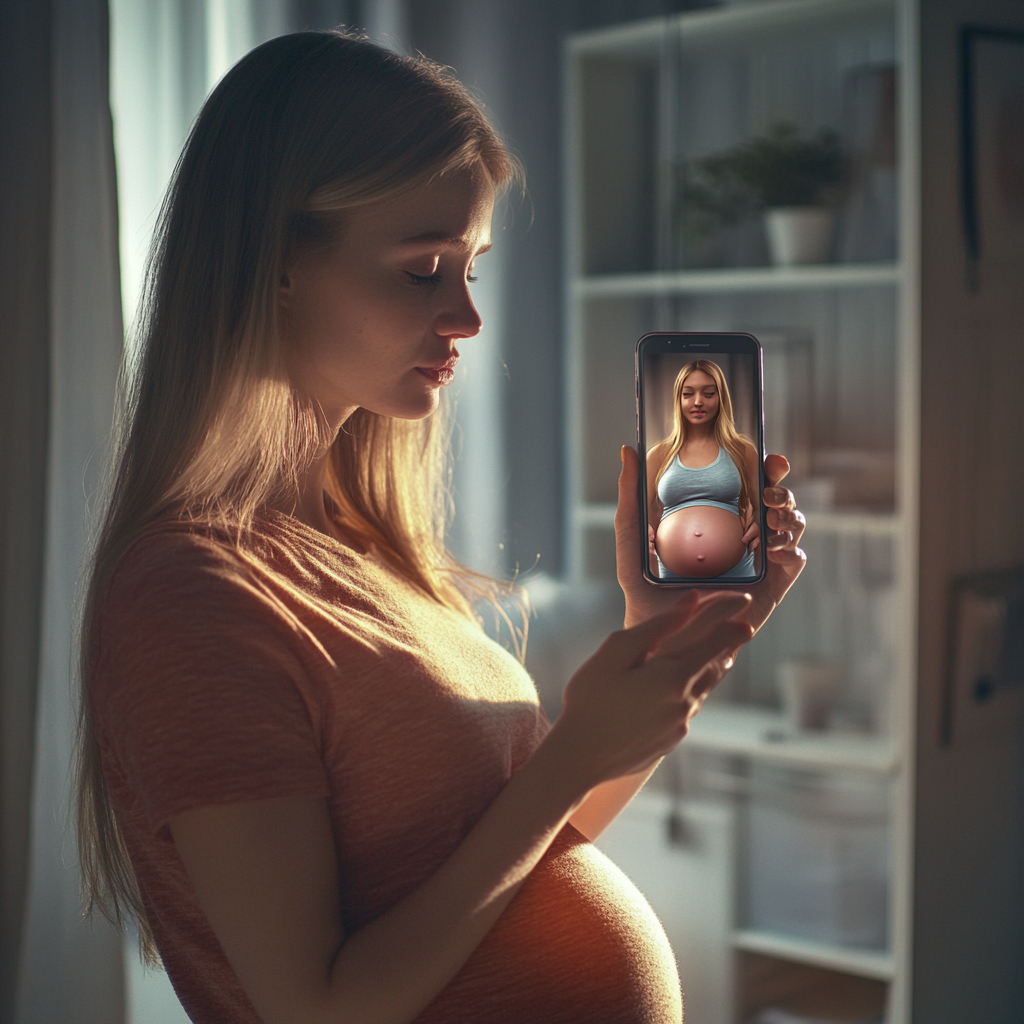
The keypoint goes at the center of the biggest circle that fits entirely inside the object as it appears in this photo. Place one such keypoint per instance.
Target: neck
(700, 433)
(306, 502)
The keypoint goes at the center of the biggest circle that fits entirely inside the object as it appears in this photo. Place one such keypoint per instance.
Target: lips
(443, 373)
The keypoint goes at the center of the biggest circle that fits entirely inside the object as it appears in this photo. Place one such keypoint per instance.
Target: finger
(779, 497)
(682, 681)
(792, 525)
(692, 648)
(628, 648)
(790, 558)
(713, 607)
(786, 519)
(720, 615)
(776, 468)
(704, 682)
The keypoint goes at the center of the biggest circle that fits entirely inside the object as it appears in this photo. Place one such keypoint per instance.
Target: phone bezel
(685, 341)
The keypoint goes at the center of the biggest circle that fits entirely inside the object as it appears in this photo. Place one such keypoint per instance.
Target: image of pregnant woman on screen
(702, 485)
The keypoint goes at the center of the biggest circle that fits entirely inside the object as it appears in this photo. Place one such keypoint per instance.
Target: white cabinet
(876, 867)
(689, 883)
(832, 809)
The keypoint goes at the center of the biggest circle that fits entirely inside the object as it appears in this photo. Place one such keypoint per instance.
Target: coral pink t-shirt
(292, 666)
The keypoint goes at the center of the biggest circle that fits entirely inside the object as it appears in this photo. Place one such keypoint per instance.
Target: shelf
(727, 23)
(594, 515)
(736, 279)
(603, 515)
(760, 734)
(884, 523)
(862, 962)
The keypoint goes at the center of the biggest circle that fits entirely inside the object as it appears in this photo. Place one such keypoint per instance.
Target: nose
(459, 317)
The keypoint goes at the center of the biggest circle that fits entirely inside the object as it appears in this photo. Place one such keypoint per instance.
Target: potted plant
(793, 181)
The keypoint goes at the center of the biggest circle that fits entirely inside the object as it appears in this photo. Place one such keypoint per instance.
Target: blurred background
(840, 837)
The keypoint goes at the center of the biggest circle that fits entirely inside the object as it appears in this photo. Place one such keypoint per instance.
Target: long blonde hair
(726, 434)
(302, 129)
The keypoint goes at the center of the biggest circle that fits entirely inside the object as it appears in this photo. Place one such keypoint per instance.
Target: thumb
(627, 511)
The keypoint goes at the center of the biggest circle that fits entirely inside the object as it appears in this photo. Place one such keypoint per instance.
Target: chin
(420, 409)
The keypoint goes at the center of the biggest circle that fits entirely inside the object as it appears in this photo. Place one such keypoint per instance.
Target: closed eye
(425, 279)
(422, 279)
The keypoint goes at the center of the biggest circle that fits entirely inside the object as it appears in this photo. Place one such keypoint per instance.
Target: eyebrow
(443, 239)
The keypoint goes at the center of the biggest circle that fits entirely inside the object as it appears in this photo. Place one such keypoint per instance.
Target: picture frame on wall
(992, 151)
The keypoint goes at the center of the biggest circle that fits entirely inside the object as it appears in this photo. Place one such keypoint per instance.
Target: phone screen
(701, 436)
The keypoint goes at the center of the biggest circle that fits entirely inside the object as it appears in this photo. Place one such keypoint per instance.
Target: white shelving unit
(633, 113)
(837, 958)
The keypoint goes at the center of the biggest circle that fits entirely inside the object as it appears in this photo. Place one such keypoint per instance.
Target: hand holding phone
(780, 549)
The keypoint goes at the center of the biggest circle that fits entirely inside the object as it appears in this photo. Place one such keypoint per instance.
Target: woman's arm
(265, 873)
(655, 457)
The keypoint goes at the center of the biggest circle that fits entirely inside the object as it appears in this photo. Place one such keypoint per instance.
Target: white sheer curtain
(166, 55)
(69, 970)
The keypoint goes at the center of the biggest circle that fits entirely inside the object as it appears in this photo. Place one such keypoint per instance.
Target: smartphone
(700, 429)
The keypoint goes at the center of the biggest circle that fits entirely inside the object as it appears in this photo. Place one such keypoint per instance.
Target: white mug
(808, 688)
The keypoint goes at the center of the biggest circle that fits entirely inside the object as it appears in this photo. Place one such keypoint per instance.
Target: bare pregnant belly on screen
(701, 541)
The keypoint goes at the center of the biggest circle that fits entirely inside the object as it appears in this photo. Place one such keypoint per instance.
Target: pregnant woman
(702, 484)
(325, 794)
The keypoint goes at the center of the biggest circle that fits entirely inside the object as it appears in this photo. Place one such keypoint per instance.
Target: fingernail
(622, 454)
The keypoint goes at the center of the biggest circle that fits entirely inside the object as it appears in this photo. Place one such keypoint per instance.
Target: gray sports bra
(717, 485)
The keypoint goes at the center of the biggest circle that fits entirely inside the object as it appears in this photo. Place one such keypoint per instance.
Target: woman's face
(373, 321)
(700, 398)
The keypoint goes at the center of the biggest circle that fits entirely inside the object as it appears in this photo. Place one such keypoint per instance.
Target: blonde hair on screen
(301, 130)
(726, 434)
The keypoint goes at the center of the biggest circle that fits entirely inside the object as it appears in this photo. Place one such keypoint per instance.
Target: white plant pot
(799, 234)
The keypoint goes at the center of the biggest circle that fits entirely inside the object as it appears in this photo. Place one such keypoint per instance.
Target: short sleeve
(200, 688)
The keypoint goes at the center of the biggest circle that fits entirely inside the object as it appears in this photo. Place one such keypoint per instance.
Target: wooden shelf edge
(861, 962)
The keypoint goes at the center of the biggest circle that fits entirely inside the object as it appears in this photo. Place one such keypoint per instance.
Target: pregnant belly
(578, 945)
(701, 541)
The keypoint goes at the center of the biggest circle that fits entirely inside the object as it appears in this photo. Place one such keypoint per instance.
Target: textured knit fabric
(291, 666)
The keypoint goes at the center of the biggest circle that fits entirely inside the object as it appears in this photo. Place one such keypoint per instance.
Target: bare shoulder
(656, 455)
